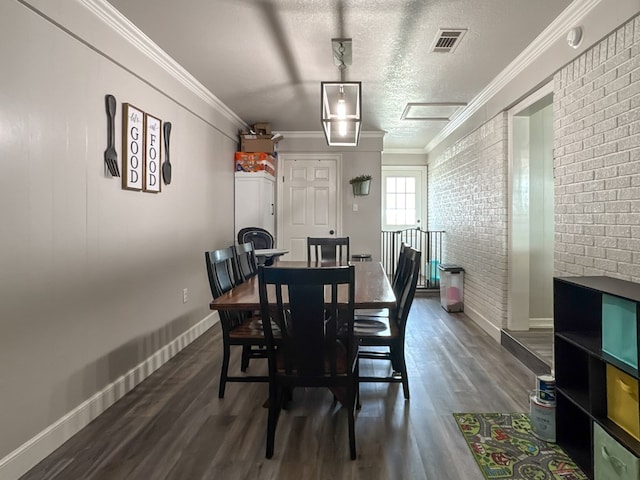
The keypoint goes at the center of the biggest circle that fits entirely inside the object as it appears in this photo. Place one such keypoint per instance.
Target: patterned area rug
(505, 448)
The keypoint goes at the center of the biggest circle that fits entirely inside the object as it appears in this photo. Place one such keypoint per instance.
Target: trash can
(451, 287)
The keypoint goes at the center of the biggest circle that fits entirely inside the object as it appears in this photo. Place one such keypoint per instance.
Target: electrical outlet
(185, 295)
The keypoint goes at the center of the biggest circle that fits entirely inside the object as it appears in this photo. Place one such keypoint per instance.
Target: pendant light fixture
(341, 101)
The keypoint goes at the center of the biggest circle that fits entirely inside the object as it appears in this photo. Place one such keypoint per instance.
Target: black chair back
(328, 250)
(246, 264)
(220, 270)
(316, 334)
(401, 267)
(405, 288)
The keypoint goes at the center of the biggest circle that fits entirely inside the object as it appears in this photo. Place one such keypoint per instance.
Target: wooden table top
(373, 289)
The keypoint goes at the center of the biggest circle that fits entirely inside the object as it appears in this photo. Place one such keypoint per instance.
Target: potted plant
(361, 184)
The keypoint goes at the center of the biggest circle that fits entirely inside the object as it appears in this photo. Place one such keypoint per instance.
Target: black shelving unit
(580, 364)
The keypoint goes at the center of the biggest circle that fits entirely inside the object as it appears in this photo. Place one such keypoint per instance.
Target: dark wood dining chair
(238, 328)
(389, 332)
(246, 265)
(316, 347)
(328, 250)
(399, 271)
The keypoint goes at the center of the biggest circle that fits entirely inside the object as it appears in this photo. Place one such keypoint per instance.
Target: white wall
(92, 275)
(541, 214)
(404, 159)
(597, 159)
(467, 199)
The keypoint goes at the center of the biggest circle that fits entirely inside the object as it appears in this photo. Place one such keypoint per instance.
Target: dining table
(372, 288)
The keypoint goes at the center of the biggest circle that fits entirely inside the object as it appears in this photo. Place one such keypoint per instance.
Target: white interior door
(308, 201)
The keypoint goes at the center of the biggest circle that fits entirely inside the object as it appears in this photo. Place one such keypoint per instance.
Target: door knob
(331, 232)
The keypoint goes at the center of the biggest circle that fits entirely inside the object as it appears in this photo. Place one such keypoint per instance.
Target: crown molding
(134, 36)
(571, 16)
(405, 151)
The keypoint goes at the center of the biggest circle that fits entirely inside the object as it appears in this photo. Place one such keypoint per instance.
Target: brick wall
(597, 159)
(468, 199)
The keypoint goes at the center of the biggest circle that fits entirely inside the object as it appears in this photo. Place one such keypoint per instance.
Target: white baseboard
(486, 325)
(541, 323)
(25, 457)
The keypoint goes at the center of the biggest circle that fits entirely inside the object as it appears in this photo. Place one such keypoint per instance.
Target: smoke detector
(574, 37)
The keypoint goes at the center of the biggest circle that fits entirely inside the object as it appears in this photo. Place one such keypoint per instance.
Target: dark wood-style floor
(173, 426)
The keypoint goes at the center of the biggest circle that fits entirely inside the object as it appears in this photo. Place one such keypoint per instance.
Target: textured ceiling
(265, 59)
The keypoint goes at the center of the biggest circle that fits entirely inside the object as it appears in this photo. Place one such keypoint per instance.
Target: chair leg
(398, 363)
(403, 371)
(287, 397)
(246, 354)
(357, 382)
(352, 421)
(275, 399)
(405, 384)
(225, 369)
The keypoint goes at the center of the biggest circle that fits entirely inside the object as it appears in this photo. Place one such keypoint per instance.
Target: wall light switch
(355, 207)
(185, 295)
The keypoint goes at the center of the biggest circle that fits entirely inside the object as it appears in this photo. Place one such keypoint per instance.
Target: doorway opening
(531, 221)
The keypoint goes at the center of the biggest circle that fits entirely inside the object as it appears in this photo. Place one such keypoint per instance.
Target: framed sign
(153, 150)
(132, 147)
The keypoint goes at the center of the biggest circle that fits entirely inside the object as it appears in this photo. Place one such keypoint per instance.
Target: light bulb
(342, 109)
(342, 129)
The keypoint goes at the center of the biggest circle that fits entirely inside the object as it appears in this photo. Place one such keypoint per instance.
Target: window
(404, 200)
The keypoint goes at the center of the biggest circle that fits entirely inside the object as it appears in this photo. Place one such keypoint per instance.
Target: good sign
(141, 140)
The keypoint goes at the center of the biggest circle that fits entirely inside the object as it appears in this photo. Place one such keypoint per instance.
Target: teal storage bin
(619, 331)
(611, 461)
(434, 271)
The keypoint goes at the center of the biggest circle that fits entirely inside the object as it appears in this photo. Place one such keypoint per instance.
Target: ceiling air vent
(448, 39)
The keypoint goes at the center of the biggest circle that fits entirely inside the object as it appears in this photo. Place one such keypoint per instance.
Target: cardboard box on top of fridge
(262, 128)
(259, 143)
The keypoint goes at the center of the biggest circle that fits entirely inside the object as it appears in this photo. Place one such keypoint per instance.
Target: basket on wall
(361, 185)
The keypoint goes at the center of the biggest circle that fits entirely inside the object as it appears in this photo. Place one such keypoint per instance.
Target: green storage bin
(611, 461)
(619, 330)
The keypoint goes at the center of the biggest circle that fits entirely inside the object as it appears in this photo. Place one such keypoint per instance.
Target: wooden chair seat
(372, 312)
(367, 330)
(252, 330)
